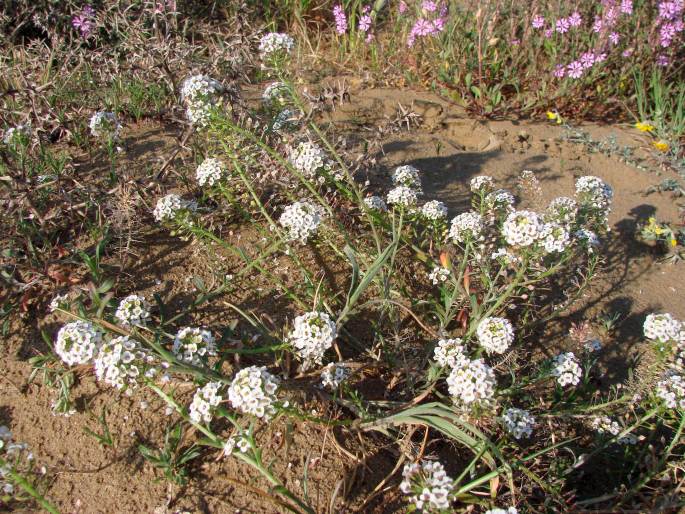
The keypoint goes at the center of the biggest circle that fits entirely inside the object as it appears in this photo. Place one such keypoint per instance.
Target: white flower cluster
(434, 210)
(78, 342)
(467, 226)
(275, 43)
(450, 352)
(133, 310)
(302, 219)
(286, 119)
(662, 328)
(562, 210)
(510, 510)
(439, 275)
(500, 200)
(567, 369)
(309, 159)
(522, 228)
(13, 134)
(482, 183)
(554, 237)
(253, 391)
(495, 335)
(193, 345)
(518, 422)
(60, 301)
(210, 172)
(313, 333)
(169, 206)
(672, 390)
(205, 398)
(200, 94)
(334, 374)
(240, 440)
(105, 124)
(605, 425)
(275, 94)
(504, 256)
(402, 196)
(472, 383)
(375, 203)
(594, 192)
(407, 176)
(587, 238)
(428, 484)
(121, 361)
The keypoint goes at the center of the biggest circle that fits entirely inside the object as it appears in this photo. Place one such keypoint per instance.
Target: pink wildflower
(340, 19)
(627, 52)
(614, 38)
(402, 7)
(575, 20)
(365, 23)
(663, 61)
(548, 33)
(575, 70)
(627, 7)
(538, 22)
(560, 71)
(562, 25)
(429, 6)
(587, 60)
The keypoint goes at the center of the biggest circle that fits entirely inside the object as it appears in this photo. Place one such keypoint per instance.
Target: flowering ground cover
(348, 257)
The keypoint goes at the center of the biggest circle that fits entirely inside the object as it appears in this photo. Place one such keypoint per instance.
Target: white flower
(518, 422)
(286, 119)
(407, 176)
(439, 275)
(78, 342)
(200, 93)
(205, 398)
(510, 510)
(450, 352)
(210, 172)
(193, 345)
(253, 392)
(200, 89)
(587, 238)
(229, 446)
(522, 228)
(567, 369)
(169, 206)
(105, 124)
(500, 200)
(428, 485)
(14, 134)
(133, 310)
(481, 183)
(495, 335)
(562, 210)
(672, 390)
(554, 237)
(594, 192)
(434, 210)
(402, 196)
(309, 159)
(275, 94)
(472, 383)
(334, 374)
(375, 203)
(122, 361)
(302, 219)
(504, 255)
(662, 328)
(605, 425)
(275, 42)
(594, 345)
(467, 226)
(313, 333)
(60, 301)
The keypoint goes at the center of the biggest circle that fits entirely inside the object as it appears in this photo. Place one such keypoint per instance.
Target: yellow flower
(644, 127)
(662, 145)
(673, 242)
(552, 115)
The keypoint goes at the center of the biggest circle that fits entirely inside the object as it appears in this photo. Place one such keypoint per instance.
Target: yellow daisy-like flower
(662, 146)
(674, 242)
(644, 127)
(554, 116)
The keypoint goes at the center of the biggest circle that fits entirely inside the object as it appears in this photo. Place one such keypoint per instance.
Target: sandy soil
(449, 148)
